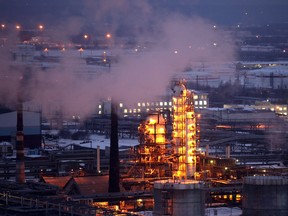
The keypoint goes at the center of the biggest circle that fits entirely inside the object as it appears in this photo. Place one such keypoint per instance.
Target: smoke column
(176, 41)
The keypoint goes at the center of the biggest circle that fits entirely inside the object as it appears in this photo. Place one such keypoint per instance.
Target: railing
(29, 204)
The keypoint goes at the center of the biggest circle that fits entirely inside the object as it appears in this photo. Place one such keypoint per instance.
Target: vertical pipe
(20, 166)
(114, 151)
(207, 151)
(228, 151)
(98, 159)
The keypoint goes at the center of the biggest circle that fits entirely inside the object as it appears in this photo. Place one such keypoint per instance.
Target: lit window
(200, 102)
(125, 110)
(165, 103)
(121, 104)
(130, 110)
(148, 104)
(143, 104)
(196, 102)
(161, 103)
(99, 106)
(139, 104)
(99, 112)
(170, 103)
(156, 104)
(205, 102)
(134, 110)
(147, 109)
(195, 97)
(139, 110)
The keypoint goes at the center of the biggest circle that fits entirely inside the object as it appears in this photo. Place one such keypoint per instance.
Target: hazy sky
(219, 11)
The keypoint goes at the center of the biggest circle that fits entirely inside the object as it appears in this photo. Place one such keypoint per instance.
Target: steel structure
(184, 133)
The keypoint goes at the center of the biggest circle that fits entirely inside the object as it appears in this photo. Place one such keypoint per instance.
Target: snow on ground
(223, 211)
(98, 140)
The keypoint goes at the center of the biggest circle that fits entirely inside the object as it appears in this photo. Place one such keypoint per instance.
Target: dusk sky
(221, 11)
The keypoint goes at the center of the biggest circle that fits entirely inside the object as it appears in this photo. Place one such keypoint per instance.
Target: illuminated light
(108, 36)
(214, 44)
(211, 161)
(175, 52)
(41, 27)
(18, 27)
(2, 25)
(214, 26)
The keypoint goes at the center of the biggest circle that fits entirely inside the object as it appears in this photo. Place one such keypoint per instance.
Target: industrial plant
(171, 171)
(216, 139)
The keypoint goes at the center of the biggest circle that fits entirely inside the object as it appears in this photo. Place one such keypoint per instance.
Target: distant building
(201, 101)
(32, 128)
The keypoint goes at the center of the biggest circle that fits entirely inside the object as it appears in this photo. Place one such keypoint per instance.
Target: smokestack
(20, 165)
(114, 151)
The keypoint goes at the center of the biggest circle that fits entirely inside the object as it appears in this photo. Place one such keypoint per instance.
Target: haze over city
(144, 107)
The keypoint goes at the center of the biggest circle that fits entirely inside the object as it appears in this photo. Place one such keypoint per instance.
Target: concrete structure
(178, 198)
(265, 196)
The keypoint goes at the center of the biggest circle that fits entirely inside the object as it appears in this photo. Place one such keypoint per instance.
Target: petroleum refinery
(167, 173)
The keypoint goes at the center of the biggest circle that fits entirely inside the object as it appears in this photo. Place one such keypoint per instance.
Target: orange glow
(223, 126)
(18, 27)
(184, 130)
(108, 36)
(41, 27)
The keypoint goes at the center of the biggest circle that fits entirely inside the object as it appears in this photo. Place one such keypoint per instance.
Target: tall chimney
(20, 165)
(114, 151)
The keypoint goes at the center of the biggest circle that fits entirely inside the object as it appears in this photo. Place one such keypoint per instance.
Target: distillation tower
(184, 133)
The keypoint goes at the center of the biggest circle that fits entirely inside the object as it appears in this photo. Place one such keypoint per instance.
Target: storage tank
(179, 198)
(265, 196)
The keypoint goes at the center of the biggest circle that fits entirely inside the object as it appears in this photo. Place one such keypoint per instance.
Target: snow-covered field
(94, 141)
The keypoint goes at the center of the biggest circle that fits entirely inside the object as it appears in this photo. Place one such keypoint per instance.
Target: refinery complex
(216, 139)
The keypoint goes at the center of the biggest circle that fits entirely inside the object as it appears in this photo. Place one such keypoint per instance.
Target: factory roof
(60, 181)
